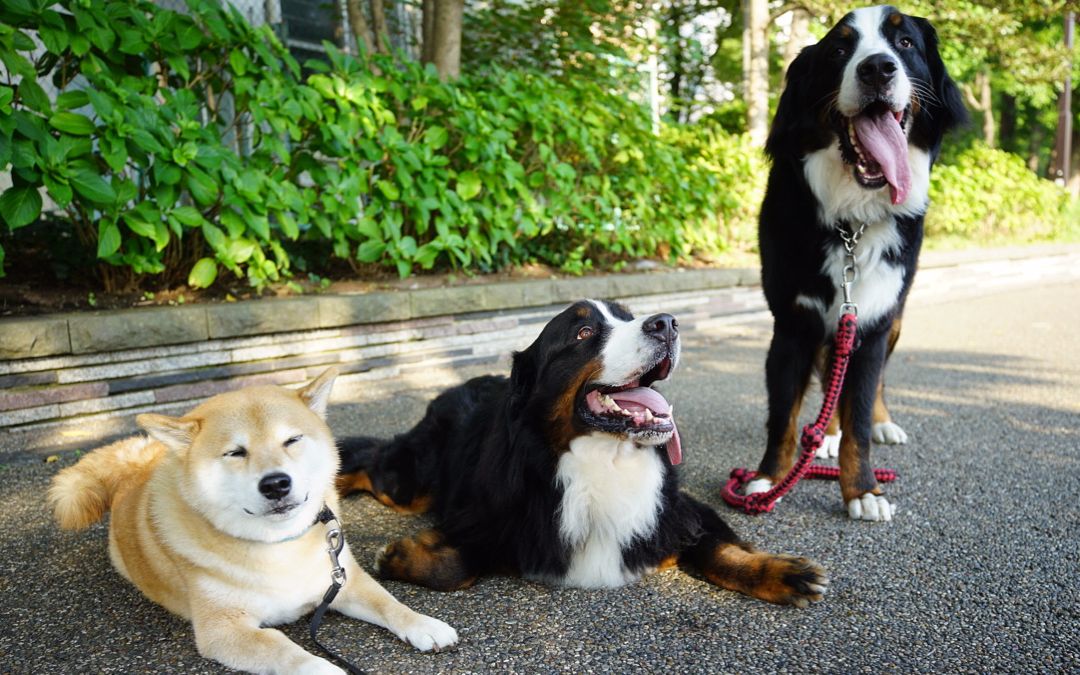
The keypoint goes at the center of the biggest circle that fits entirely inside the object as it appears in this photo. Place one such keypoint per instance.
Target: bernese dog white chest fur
(856, 132)
(565, 472)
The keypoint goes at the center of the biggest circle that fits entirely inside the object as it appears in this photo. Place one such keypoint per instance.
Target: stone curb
(106, 331)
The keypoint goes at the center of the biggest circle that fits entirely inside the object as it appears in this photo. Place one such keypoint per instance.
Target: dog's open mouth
(636, 409)
(874, 142)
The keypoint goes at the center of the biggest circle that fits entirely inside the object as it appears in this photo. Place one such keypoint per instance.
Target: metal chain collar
(851, 269)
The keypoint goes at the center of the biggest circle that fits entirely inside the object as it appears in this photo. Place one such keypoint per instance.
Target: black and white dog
(857, 129)
(563, 472)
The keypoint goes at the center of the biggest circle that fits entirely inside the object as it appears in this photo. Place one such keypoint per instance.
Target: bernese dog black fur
(857, 129)
(563, 472)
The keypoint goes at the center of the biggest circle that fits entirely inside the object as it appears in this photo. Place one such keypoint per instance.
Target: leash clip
(334, 544)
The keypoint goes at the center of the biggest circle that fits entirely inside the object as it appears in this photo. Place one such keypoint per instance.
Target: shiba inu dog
(214, 518)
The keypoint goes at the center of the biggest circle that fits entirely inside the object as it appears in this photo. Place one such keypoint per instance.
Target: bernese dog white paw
(871, 507)
(889, 433)
(758, 485)
(830, 446)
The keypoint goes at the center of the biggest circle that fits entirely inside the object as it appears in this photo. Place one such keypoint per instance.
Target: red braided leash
(813, 436)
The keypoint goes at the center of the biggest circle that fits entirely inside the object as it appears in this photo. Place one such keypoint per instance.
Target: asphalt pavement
(978, 572)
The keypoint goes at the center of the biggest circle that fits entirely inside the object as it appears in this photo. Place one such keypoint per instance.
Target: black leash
(335, 544)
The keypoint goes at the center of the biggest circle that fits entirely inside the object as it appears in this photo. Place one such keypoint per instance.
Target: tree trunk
(378, 22)
(427, 31)
(1060, 169)
(1007, 123)
(983, 102)
(756, 61)
(446, 37)
(800, 33)
(358, 24)
(1035, 141)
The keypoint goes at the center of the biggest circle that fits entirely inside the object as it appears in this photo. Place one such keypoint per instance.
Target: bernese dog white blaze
(564, 472)
(858, 126)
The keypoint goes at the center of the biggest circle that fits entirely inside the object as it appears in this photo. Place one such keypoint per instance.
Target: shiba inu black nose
(275, 485)
(661, 326)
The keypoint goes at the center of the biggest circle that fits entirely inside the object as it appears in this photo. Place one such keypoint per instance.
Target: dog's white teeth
(648, 415)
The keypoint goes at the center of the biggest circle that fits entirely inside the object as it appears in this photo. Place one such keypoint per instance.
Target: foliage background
(193, 148)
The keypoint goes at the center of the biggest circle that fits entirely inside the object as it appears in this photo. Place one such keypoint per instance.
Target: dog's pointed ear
(522, 377)
(793, 108)
(175, 433)
(317, 394)
(949, 110)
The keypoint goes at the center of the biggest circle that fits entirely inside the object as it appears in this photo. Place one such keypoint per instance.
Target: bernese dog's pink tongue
(647, 397)
(882, 137)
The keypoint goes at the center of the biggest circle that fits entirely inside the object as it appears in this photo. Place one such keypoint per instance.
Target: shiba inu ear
(317, 394)
(175, 433)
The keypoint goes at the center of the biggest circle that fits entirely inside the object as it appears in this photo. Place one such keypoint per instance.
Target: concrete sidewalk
(977, 573)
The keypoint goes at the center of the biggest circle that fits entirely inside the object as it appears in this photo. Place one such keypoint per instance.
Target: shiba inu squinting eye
(293, 439)
(238, 452)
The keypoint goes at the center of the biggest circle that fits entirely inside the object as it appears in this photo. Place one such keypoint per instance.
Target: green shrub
(191, 143)
(985, 196)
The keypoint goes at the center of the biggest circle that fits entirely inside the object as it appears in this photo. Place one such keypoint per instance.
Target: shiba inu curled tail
(213, 516)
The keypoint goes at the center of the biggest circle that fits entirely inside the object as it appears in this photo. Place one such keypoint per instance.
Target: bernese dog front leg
(787, 373)
(859, 488)
(426, 559)
(723, 560)
(885, 430)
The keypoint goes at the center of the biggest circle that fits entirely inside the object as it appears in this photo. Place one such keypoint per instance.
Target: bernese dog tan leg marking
(360, 481)
(780, 579)
(425, 559)
(884, 430)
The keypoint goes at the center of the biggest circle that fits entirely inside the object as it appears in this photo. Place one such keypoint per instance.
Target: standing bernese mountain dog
(564, 472)
(857, 129)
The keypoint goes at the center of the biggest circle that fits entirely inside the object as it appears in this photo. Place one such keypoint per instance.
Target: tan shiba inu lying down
(214, 518)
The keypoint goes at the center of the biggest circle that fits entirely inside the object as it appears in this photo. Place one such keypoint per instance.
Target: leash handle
(813, 435)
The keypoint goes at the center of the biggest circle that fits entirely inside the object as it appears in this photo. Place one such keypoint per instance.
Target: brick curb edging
(92, 332)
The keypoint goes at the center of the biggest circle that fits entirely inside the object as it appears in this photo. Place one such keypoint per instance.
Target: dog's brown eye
(906, 43)
(238, 452)
(584, 333)
(840, 51)
(293, 439)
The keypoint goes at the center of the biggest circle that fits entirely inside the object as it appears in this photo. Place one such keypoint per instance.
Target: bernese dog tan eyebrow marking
(857, 129)
(564, 472)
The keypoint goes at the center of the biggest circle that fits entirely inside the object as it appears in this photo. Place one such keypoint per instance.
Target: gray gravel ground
(978, 573)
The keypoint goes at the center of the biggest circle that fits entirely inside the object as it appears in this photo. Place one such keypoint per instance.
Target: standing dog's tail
(81, 494)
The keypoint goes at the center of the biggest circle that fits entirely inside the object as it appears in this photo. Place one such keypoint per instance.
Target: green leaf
(34, 97)
(214, 236)
(370, 251)
(146, 141)
(436, 137)
(60, 192)
(389, 190)
(72, 123)
(72, 99)
(20, 205)
(188, 215)
(90, 185)
(203, 273)
(202, 186)
(54, 39)
(108, 239)
(468, 185)
(419, 103)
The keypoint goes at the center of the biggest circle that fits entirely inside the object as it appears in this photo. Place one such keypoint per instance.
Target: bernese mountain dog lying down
(857, 128)
(563, 473)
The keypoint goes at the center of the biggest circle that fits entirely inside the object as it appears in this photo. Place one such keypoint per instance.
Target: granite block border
(91, 333)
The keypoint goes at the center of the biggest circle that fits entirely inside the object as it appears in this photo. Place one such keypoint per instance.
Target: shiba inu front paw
(318, 666)
(427, 634)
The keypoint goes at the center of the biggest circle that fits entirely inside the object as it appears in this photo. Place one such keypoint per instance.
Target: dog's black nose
(275, 485)
(662, 326)
(877, 70)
